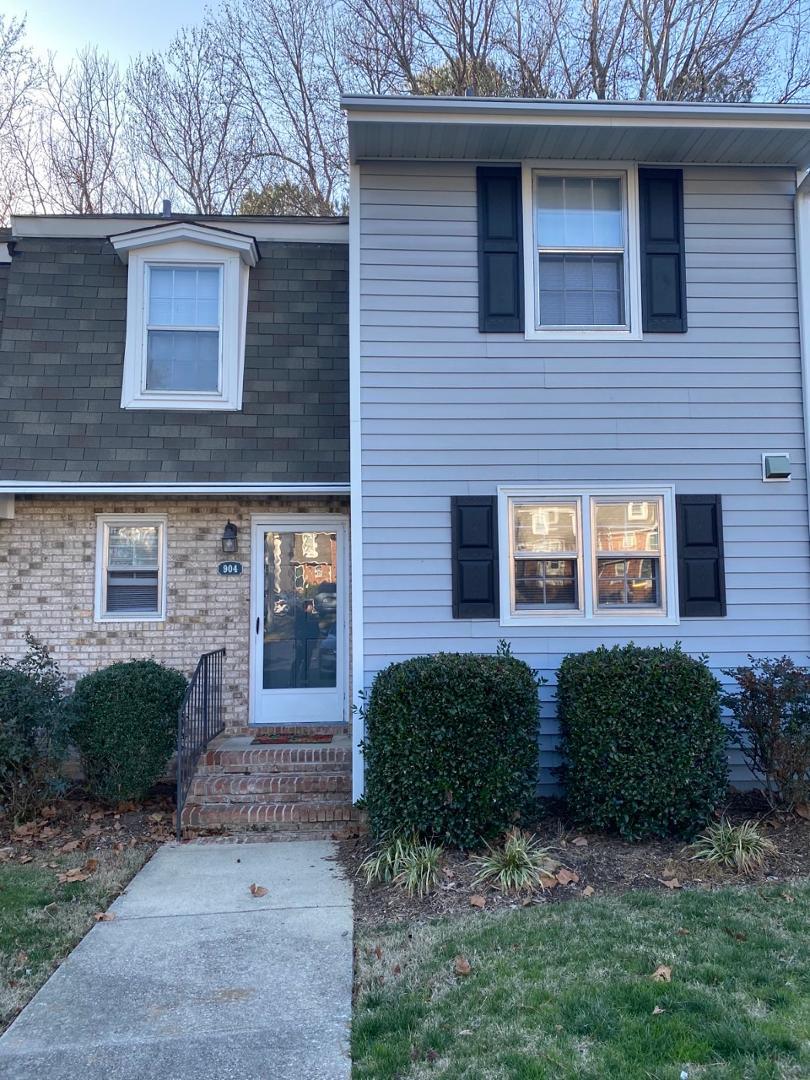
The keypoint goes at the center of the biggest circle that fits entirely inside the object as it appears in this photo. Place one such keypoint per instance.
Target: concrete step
(292, 787)
(311, 818)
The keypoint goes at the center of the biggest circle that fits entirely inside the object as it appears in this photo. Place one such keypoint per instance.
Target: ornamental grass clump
(405, 861)
(739, 847)
(643, 741)
(517, 865)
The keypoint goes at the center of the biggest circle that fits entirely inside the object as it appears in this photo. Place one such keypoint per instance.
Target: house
(174, 467)
(579, 380)
(553, 368)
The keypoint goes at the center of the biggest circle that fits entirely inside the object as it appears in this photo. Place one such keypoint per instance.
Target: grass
(566, 990)
(41, 920)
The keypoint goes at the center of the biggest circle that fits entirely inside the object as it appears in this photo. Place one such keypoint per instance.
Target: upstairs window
(585, 267)
(187, 294)
(130, 568)
(184, 328)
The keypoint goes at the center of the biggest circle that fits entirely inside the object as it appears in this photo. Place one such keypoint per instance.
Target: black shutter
(701, 568)
(500, 254)
(475, 556)
(663, 272)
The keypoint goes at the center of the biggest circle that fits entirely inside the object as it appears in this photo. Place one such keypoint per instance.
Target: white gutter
(48, 487)
(355, 474)
(802, 219)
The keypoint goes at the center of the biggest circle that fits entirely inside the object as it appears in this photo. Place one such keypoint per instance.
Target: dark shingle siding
(61, 363)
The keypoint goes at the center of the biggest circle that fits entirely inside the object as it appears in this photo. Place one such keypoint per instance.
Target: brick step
(287, 785)
(282, 758)
(272, 816)
(291, 729)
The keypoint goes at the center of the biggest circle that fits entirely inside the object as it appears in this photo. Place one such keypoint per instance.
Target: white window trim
(632, 270)
(160, 264)
(103, 521)
(587, 615)
(193, 252)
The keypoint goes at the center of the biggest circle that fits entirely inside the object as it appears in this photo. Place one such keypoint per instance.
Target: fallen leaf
(588, 890)
(378, 952)
(657, 1010)
(671, 883)
(70, 845)
(257, 890)
(785, 895)
(6, 853)
(547, 881)
(662, 973)
(462, 966)
(97, 815)
(737, 935)
(26, 858)
(803, 810)
(431, 1055)
(396, 969)
(567, 877)
(49, 812)
(21, 959)
(104, 916)
(90, 866)
(28, 828)
(72, 876)
(477, 901)
(579, 841)
(92, 830)
(682, 931)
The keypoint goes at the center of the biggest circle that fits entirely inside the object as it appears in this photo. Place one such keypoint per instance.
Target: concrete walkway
(196, 978)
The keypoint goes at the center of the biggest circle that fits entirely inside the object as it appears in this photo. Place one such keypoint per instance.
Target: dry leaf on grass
(567, 877)
(588, 890)
(477, 901)
(257, 890)
(682, 931)
(70, 845)
(26, 858)
(662, 973)
(462, 966)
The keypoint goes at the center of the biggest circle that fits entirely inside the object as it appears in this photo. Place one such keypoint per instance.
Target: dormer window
(186, 315)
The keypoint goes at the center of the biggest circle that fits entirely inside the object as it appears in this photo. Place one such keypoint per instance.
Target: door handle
(258, 622)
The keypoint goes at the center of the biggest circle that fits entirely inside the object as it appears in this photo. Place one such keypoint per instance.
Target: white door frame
(259, 523)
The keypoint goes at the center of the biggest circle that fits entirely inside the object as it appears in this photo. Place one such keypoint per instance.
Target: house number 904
(229, 569)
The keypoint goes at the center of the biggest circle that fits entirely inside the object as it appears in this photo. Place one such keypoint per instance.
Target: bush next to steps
(451, 746)
(125, 725)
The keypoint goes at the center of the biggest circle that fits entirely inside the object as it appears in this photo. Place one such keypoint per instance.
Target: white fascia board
(48, 487)
(533, 111)
(306, 231)
(802, 220)
(175, 231)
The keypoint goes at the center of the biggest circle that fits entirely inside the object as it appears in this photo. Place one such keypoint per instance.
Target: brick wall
(47, 583)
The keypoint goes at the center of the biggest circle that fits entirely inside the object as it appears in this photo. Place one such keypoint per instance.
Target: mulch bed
(603, 864)
(77, 824)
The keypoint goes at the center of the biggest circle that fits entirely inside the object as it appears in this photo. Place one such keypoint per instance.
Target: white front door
(299, 624)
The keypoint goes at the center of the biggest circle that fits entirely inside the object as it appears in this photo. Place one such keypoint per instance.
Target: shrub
(770, 721)
(33, 730)
(518, 865)
(741, 847)
(644, 743)
(451, 746)
(125, 726)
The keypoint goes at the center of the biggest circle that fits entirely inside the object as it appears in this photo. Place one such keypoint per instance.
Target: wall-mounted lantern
(230, 544)
(776, 467)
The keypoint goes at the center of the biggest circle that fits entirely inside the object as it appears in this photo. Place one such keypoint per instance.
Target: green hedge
(125, 725)
(451, 746)
(644, 744)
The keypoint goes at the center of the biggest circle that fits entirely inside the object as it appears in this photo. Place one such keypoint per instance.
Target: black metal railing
(199, 719)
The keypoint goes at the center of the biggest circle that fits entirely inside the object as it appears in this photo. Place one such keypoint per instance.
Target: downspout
(802, 220)
(355, 477)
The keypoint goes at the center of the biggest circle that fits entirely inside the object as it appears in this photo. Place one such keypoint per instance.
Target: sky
(122, 29)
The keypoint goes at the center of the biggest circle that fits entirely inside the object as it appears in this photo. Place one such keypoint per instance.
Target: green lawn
(41, 920)
(566, 990)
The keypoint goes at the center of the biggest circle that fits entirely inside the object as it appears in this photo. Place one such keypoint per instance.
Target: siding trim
(802, 226)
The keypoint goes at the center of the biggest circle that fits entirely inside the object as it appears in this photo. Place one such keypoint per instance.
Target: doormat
(280, 737)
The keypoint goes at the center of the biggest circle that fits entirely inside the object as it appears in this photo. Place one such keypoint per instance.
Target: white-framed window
(130, 567)
(581, 247)
(603, 554)
(186, 317)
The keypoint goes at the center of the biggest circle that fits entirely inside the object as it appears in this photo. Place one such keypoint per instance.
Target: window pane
(545, 583)
(581, 290)
(579, 211)
(627, 582)
(132, 591)
(183, 296)
(548, 528)
(627, 526)
(133, 546)
(182, 360)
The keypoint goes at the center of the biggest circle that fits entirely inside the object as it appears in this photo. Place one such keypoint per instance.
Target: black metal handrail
(199, 719)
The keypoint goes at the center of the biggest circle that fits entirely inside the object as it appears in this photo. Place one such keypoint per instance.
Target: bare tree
(187, 121)
(20, 76)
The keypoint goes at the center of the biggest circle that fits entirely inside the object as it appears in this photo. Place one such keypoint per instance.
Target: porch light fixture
(229, 541)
